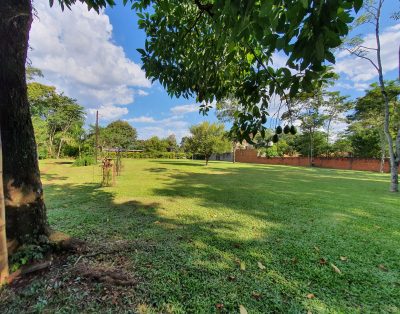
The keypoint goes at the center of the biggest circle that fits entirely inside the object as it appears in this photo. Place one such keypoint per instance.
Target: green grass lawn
(199, 235)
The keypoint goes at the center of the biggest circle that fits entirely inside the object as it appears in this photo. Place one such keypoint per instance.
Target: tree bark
(3, 239)
(394, 161)
(59, 148)
(383, 151)
(328, 129)
(25, 209)
(234, 152)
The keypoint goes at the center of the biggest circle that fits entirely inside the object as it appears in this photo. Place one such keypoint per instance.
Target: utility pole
(3, 239)
(97, 137)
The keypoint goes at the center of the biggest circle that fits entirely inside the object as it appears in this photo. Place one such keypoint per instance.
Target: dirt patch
(105, 262)
(87, 277)
(112, 276)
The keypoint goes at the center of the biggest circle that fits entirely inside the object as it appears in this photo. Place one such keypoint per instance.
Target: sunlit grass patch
(201, 232)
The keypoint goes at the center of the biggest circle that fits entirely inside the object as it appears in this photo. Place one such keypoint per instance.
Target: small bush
(83, 161)
(149, 155)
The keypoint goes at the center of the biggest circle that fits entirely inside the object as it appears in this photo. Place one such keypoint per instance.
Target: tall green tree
(372, 14)
(155, 144)
(366, 129)
(227, 112)
(171, 142)
(119, 134)
(66, 117)
(187, 147)
(60, 115)
(303, 142)
(335, 107)
(208, 138)
(308, 109)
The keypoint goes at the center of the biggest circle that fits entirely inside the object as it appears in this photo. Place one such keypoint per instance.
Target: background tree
(366, 129)
(317, 141)
(342, 147)
(365, 141)
(41, 137)
(171, 141)
(155, 144)
(187, 147)
(66, 117)
(270, 149)
(55, 117)
(227, 112)
(335, 107)
(119, 134)
(224, 48)
(307, 108)
(32, 73)
(372, 11)
(208, 138)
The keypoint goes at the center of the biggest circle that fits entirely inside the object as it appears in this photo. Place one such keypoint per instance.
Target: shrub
(83, 161)
(149, 155)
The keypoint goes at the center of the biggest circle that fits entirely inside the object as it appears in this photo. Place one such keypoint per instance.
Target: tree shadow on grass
(228, 220)
(316, 217)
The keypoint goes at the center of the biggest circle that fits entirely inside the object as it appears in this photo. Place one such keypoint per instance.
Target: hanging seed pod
(275, 138)
(286, 129)
(278, 130)
(293, 130)
(263, 119)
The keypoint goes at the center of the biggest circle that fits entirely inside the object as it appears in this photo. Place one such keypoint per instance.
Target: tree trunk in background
(382, 165)
(234, 152)
(25, 210)
(328, 130)
(393, 152)
(382, 138)
(59, 148)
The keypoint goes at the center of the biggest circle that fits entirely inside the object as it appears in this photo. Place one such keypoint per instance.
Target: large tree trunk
(25, 209)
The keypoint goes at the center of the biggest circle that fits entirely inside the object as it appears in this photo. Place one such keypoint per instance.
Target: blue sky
(158, 103)
(93, 58)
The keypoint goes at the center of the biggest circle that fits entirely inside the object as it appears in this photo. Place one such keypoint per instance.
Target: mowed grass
(204, 233)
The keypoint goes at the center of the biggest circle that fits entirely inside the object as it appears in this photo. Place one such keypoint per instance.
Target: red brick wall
(364, 164)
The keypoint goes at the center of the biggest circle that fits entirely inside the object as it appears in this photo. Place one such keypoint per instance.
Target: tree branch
(273, 78)
(193, 25)
(354, 52)
(205, 7)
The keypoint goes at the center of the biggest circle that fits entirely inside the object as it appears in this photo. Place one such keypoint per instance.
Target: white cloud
(141, 92)
(352, 86)
(108, 112)
(149, 126)
(360, 71)
(184, 109)
(142, 119)
(75, 51)
(149, 131)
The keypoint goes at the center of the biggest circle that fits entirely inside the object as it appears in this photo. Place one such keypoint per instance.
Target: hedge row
(150, 155)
